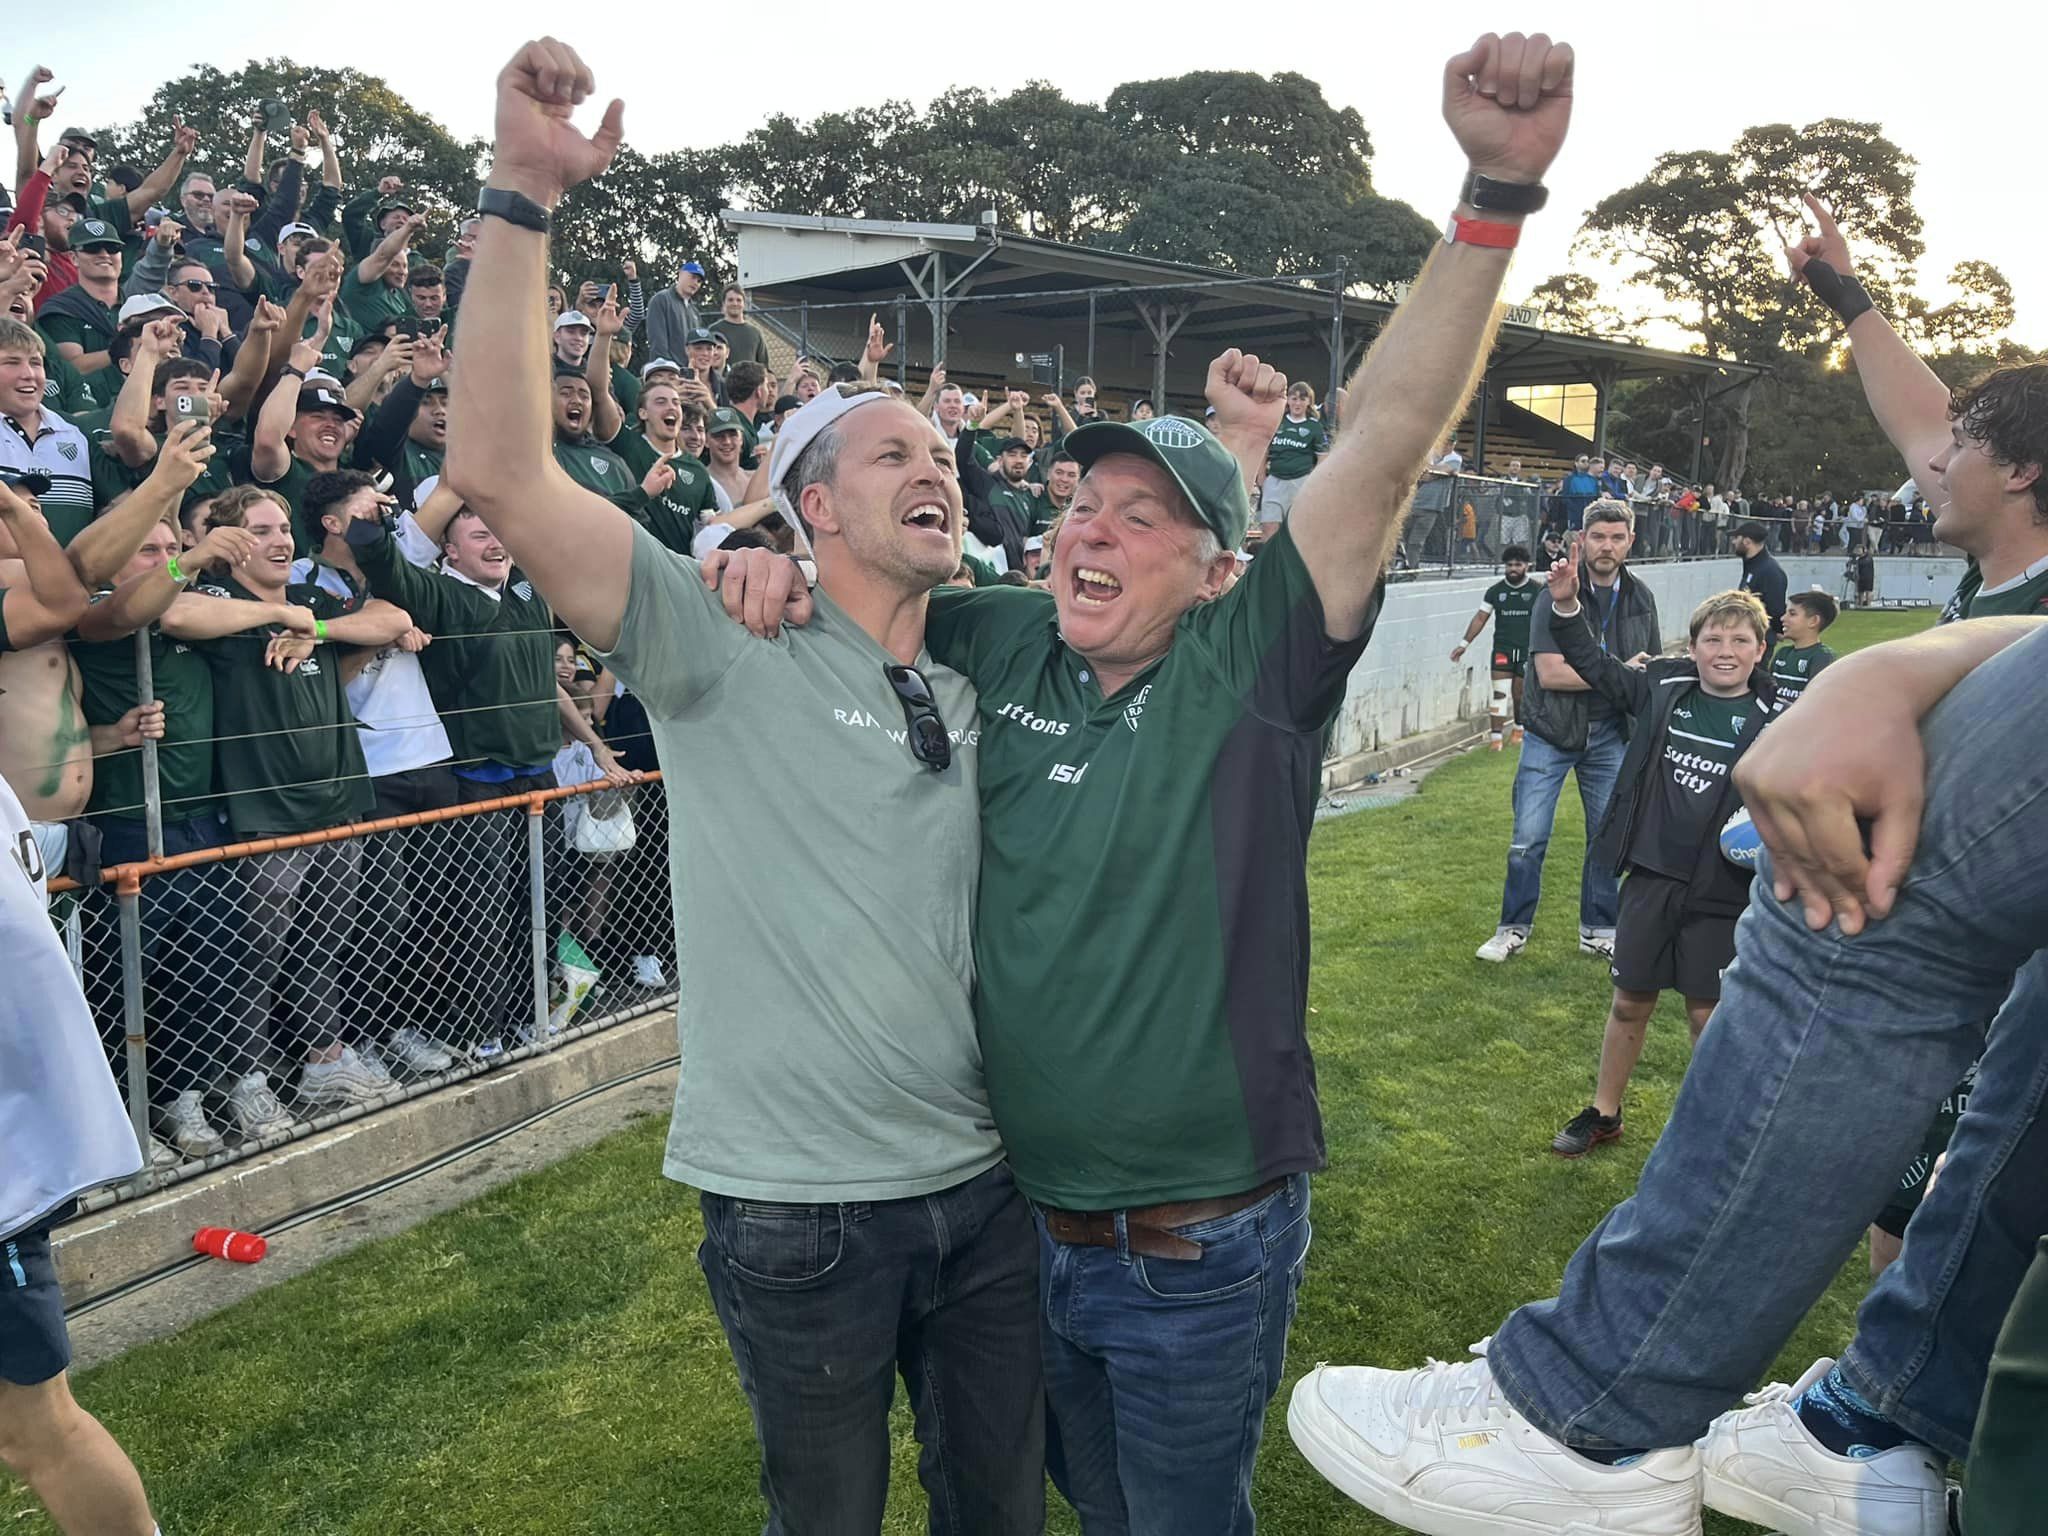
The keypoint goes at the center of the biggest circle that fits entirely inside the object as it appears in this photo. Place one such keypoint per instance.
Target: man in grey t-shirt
(860, 1218)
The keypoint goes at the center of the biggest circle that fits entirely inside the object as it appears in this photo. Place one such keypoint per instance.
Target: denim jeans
(824, 1305)
(1158, 1371)
(1810, 1090)
(1539, 779)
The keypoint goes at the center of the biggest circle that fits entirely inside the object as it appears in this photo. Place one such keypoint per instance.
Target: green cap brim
(1225, 511)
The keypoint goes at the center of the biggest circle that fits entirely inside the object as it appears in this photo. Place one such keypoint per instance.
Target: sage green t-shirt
(824, 887)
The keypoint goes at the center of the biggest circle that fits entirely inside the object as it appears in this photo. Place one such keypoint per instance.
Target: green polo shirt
(596, 468)
(1292, 453)
(673, 516)
(64, 387)
(184, 757)
(626, 390)
(371, 304)
(288, 757)
(1141, 942)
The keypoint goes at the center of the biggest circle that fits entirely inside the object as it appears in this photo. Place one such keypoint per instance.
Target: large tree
(1704, 232)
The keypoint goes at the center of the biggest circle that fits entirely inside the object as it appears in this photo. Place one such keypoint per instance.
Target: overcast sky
(1651, 78)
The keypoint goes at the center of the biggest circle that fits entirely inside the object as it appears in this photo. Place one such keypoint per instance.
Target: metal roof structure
(947, 271)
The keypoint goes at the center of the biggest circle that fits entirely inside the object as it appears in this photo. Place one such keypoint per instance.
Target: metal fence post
(128, 894)
(152, 790)
(902, 343)
(803, 324)
(537, 886)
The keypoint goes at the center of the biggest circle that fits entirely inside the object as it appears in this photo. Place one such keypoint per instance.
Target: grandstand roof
(868, 263)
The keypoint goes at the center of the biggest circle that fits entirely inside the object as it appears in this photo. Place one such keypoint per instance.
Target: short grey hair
(1609, 510)
(818, 464)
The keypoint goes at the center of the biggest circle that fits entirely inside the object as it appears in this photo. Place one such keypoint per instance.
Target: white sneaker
(1505, 944)
(1761, 1463)
(414, 1051)
(183, 1122)
(1440, 1451)
(255, 1109)
(647, 972)
(342, 1082)
(1597, 941)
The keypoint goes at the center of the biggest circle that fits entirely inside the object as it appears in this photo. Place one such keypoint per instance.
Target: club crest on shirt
(1136, 708)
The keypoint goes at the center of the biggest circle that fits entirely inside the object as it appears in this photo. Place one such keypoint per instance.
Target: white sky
(1954, 90)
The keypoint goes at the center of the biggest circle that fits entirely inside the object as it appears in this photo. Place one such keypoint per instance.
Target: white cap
(654, 363)
(141, 306)
(799, 429)
(295, 229)
(1036, 541)
(569, 317)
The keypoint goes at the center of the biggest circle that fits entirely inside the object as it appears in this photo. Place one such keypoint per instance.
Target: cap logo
(1168, 432)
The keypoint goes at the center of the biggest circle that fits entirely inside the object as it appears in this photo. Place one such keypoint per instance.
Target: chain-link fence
(248, 994)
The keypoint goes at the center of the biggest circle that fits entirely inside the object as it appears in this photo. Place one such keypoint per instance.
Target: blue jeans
(1539, 780)
(1811, 1089)
(823, 1306)
(1158, 1371)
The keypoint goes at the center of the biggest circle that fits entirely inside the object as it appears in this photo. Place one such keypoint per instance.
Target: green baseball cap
(1206, 471)
(94, 235)
(725, 419)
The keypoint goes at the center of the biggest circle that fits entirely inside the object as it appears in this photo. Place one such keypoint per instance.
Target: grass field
(545, 1361)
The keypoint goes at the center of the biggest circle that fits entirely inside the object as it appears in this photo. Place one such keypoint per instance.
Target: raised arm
(932, 386)
(605, 416)
(875, 353)
(29, 111)
(252, 360)
(372, 267)
(576, 546)
(109, 542)
(53, 598)
(1623, 686)
(134, 444)
(269, 454)
(157, 185)
(1508, 101)
(236, 208)
(1909, 401)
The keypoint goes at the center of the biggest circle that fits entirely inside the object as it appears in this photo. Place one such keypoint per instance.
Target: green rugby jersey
(184, 757)
(1142, 940)
(2026, 594)
(597, 468)
(1792, 669)
(674, 515)
(1295, 446)
(1512, 608)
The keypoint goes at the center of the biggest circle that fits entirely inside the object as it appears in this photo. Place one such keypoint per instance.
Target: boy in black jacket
(1692, 717)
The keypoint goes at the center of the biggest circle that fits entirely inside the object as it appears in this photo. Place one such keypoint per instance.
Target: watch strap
(1499, 237)
(1488, 195)
(513, 207)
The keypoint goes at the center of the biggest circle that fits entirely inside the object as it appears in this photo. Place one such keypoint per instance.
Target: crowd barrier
(443, 943)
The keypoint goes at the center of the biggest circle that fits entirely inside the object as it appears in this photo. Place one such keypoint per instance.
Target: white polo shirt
(61, 452)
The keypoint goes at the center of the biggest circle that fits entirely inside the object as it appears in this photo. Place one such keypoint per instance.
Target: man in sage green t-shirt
(860, 1217)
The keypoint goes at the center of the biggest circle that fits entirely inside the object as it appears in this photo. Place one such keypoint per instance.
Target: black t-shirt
(1700, 743)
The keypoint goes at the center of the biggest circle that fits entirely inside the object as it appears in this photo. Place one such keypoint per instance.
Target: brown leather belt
(1148, 1228)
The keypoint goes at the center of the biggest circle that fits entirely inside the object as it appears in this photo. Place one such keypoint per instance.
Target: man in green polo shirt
(587, 461)
(301, 431)
(1150, 756)
(860, 1221)
(680, 497)
(375, 287)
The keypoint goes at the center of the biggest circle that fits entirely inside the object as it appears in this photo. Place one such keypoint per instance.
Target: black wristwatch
(1490, 196)
(513, 208)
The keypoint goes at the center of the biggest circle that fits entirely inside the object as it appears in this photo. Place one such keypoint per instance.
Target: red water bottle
(227, 1243)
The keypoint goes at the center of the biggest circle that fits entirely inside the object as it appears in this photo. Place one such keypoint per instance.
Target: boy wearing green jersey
(1802, 657)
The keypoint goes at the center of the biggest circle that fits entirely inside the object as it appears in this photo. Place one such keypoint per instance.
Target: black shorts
(1660, 947)
(33, 1344)
(1510, 662)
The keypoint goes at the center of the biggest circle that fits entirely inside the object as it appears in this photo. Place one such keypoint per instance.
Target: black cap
(324, 399)
(786, 403)
(1014, 442)
(701, 338)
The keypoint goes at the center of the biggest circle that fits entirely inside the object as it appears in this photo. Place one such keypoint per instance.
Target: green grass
(545, 1360)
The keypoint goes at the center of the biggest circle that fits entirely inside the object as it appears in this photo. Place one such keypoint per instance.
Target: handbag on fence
(600, 823)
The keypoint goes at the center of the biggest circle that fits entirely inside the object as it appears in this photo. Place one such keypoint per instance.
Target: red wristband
(1499, 237)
